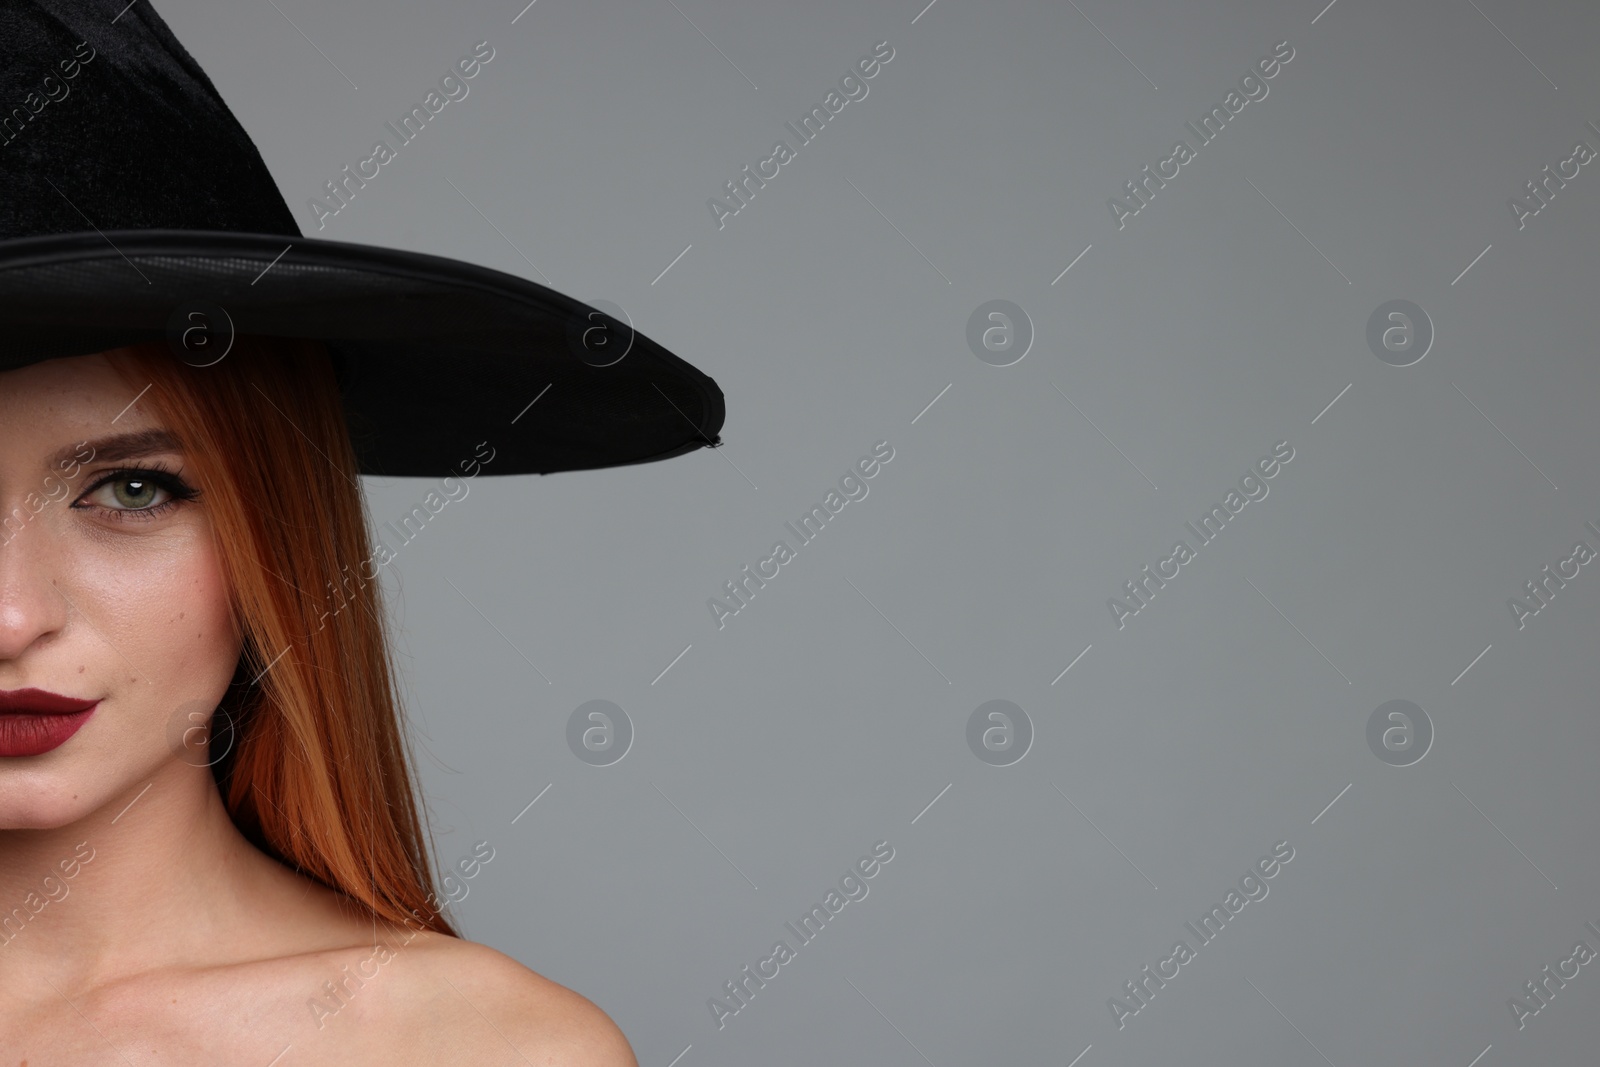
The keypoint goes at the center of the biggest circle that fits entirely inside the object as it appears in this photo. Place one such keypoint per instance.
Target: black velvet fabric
(135, 137)
(130, 195)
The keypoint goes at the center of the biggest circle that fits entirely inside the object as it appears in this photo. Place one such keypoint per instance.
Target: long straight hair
(317, 774)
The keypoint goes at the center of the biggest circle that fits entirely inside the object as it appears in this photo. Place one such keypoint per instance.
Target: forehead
(60, 408)
(69, 382)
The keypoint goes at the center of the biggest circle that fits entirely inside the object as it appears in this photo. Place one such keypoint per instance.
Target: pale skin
(180, 942)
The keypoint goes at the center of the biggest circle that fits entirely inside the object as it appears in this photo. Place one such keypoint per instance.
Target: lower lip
(33, 735)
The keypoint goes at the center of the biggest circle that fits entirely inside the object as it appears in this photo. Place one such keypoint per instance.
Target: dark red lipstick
(33, 721)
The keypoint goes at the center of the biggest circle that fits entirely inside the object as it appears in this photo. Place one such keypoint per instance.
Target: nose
(31, 607)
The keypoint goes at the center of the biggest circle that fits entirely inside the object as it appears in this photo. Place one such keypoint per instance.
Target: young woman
(182, 888)
(210, 851)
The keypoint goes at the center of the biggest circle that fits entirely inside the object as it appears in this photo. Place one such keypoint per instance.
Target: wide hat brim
(434, 355)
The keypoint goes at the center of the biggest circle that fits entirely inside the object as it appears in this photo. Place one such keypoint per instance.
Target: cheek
(196, 621)
(163, 603)
(149, 630)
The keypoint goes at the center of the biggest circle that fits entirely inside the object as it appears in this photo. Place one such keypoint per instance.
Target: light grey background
(1225, 317)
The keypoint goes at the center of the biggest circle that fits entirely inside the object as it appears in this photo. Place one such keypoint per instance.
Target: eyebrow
(123, 446)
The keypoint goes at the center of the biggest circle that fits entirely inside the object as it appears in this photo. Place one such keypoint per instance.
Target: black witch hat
(134, 207)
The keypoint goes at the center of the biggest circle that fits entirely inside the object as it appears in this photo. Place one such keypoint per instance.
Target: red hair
(318, 773)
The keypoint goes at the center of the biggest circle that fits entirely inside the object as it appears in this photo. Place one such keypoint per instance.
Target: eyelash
(158, 474)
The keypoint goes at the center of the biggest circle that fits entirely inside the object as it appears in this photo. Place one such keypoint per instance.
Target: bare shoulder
(477, 1001)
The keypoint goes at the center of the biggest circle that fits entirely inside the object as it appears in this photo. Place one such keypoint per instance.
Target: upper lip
(40, 702)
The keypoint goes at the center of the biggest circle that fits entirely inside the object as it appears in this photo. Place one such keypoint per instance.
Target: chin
(23, 806)
(68, 784)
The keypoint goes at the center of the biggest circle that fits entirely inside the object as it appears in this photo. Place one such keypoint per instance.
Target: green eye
(138, 494)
